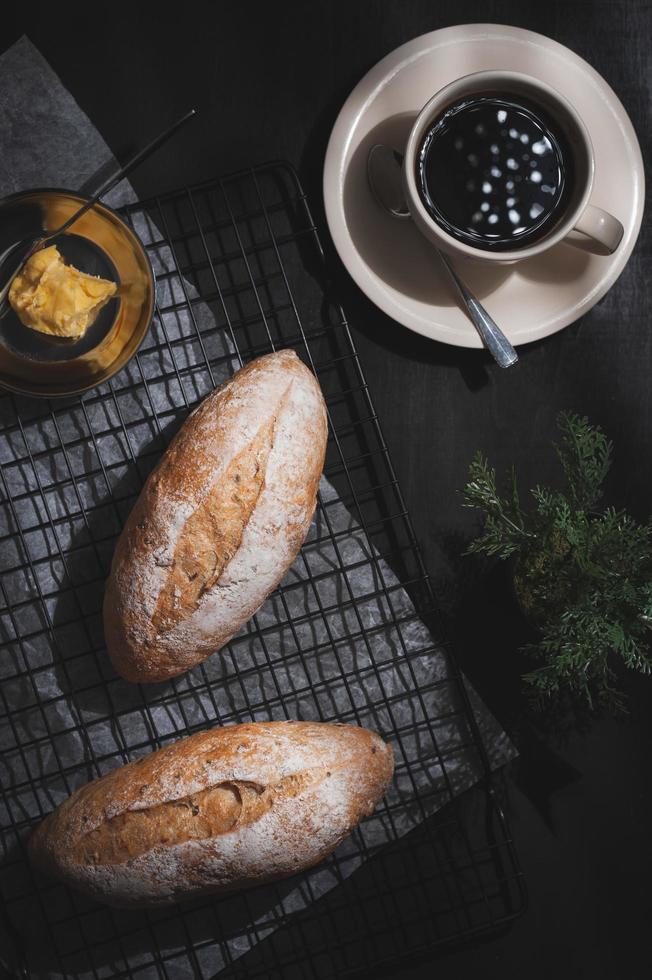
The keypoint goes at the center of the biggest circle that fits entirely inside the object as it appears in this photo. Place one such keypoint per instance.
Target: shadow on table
(488, 631)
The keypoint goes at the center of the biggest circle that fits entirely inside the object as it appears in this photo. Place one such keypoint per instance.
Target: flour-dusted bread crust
(223, 809)
(218, 522)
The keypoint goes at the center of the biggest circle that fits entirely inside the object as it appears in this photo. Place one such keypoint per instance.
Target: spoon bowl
(384, 174)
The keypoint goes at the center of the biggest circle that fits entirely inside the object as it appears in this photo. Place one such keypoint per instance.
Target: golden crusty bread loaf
(223, 809)
(218, 522)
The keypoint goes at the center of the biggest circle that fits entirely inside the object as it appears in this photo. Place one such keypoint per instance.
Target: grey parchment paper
(47, 140)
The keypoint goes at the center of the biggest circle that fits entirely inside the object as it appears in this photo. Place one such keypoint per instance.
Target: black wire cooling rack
(240, 271)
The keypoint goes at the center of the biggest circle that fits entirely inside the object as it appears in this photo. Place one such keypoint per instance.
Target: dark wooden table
(268, 80)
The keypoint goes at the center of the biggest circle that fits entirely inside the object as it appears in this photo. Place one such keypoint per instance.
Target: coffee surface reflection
(495, 173)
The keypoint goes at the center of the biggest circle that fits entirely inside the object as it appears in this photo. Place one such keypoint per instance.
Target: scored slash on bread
(218, 522)
(223, 809)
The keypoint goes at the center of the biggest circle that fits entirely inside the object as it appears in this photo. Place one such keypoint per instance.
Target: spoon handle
(492, 336)
(121, 173)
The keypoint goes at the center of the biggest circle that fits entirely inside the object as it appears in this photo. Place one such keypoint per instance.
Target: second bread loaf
(218, 522)
(226, 808)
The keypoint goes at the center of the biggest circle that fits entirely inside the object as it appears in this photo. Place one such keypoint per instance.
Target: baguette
(218, 522)
(224, 809)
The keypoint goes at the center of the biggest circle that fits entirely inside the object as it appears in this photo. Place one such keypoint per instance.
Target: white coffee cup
(600, 231)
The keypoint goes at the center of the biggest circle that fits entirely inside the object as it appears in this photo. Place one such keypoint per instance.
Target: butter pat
(55, 298)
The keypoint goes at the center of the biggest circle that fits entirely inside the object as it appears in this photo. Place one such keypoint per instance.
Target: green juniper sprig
(583, 576)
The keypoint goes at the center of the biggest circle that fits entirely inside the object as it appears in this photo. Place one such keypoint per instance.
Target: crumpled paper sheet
(400, 662)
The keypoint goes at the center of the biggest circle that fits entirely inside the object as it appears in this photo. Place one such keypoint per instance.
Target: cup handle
(604, 231)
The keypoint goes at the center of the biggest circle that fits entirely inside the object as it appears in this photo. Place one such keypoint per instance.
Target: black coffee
(494, 172)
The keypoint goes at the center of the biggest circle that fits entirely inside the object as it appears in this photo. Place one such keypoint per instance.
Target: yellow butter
(55, 298)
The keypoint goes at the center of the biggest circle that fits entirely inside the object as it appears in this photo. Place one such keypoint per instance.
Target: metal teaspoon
(384, 176)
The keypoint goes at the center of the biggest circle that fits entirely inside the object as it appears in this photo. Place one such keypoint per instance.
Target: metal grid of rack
(240, 271)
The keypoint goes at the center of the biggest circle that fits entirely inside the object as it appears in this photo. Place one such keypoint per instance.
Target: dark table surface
(268, 80)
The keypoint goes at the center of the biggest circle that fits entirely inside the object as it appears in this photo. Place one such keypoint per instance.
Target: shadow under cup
(563, 118)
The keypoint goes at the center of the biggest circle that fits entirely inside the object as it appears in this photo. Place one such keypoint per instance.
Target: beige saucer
(393, 263)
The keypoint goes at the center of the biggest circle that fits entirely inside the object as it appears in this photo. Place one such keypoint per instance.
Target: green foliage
(585, 578)
(586, 456)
